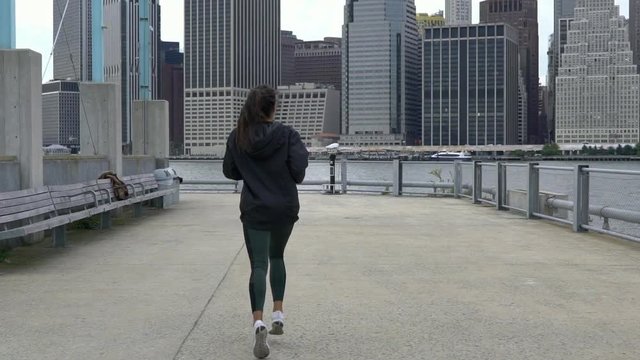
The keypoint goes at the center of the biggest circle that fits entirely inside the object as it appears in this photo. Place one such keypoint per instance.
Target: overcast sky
(308, 19)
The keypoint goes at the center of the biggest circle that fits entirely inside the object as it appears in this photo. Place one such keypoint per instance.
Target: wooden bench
(32, 211)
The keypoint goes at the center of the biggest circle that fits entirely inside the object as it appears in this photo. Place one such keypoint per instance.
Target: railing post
(397, 177)
(457, 178)
(581, 203)
(501, 191)
(343, 174)
(477, 181)
(533, 190)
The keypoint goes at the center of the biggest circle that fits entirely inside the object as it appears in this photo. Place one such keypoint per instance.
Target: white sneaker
(277, 323)
(260, 347)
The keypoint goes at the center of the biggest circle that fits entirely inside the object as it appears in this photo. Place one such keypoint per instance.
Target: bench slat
(34, 228)
(74, 192)
(26, 214)
(23, 200)
(70, 187)
(25, 207)
(23, 193)
(76, 202)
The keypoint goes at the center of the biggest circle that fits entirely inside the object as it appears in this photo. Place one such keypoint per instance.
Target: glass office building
(470, 85)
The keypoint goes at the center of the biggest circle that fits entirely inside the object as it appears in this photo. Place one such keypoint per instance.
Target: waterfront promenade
(370, 277)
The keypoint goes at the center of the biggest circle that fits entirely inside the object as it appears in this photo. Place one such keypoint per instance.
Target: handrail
(609, 212)
(559, 168)
(612, 171)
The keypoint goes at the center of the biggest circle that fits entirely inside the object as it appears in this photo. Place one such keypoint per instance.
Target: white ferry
(451, 156)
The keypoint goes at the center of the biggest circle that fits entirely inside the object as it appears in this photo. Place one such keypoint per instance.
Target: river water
(620, 191)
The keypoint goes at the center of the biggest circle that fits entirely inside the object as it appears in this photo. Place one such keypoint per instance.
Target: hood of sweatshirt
(266, 138)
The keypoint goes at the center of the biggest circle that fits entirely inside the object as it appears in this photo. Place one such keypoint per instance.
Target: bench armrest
(133, 189)
(107, 193)
(95, 196)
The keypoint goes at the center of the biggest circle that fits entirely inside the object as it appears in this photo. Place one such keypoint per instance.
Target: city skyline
(34, 30)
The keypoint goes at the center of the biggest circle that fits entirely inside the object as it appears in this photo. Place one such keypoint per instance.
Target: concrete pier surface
(369, 277)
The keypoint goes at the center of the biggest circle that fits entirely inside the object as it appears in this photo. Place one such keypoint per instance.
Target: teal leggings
(264, 247)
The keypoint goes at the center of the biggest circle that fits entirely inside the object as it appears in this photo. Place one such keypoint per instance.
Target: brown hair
(259, 108)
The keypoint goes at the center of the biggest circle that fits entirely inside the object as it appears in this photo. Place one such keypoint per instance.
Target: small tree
(551, 150)
(518, 153)
(638, 149)
(619, 150)
(611, 150)
(628, 150)
(585, 150)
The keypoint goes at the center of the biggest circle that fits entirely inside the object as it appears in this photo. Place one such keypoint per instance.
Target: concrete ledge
(74, 157)
(138, 164)
(72, 169)
(8, 158)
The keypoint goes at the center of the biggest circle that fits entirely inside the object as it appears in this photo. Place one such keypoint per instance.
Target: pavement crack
(204, 309)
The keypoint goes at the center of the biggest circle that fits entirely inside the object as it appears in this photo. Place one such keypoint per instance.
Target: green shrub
(551, 150)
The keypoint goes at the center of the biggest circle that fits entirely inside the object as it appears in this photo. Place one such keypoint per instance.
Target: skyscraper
(634, 29)
(523, 16)
(562, 17)
(172, 90)
(470, 85)
(380, 91)
(598, 88)
(310, 109)
(458, 12)
(61, 114)
(72, 55)
(230, 47)
(288, 41)
(425, 20)
(319, 62)
(122, 55)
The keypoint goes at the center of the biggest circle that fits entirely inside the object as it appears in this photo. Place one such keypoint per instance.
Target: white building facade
(458, 12)
(598, 88)
(310, 109)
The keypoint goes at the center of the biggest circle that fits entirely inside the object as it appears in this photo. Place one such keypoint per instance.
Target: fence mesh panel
(517, 187)
(467, 179)
(615, 191)
(489, 182)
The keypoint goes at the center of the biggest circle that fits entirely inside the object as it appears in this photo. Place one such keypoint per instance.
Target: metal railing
(574, 208)
(490, 185)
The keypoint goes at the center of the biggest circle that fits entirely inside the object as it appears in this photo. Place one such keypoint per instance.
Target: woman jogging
(271, 159)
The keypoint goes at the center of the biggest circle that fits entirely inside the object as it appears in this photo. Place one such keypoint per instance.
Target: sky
(308, 19)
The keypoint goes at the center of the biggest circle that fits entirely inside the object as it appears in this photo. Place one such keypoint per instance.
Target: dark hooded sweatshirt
(270, 170)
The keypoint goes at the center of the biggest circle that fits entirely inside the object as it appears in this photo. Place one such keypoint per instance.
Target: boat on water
(451, 156)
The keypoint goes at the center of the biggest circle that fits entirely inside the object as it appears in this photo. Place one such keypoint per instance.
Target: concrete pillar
(21, 112)
(101, 124)
(150, 128)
